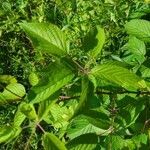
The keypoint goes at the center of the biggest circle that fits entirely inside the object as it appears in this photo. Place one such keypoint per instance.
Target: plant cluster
(93, 93)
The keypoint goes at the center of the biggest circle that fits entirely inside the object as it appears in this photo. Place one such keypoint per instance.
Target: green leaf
(137, 48)
(145, 71)
(137, 142)
(8, 133)
(19, 117)
(13, 91)
(5, 134)
(139, 28)
(7, 79)
(84, 96)
(114, 142)
(85, 124)
(54, 78)
(118, 75)
(100, 40)
(58, 115)
(128, 143)
(83, 142)
(45, 106)
(140, 139)
(47, 37)
(33, 79)
(131, 109)
(51, 142)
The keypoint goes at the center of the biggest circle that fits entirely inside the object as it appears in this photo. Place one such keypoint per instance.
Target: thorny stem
(113, 115)
(78, 65)
(25, 127)
(145, 124)
(41, 128)
(33, 131)
(64, 98)
(28, 142)
(108, 130)
(82, 69)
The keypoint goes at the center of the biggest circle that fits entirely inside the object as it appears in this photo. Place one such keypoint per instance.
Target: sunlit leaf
(139, 28)
(47, 38)
(118, 75)
(85, 124)
(19, 117)
(54, 78)
(137, 49)
(12, 92)
(114, 142)
(33, 79)
(84, 96)
(51, 142)
(7, 79)
(100, 38)
(85, 141)
(131, 110)
(8, 133)
(45, 106)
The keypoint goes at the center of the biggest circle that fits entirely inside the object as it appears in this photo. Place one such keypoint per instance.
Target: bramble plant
(89, 106)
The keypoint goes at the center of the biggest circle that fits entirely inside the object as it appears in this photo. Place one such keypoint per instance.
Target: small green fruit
(33, 79)
(29, 111)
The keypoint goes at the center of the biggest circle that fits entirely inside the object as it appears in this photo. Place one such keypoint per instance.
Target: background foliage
(78, 19)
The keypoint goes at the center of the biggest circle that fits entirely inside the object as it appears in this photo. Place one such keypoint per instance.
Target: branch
(28, 141)
(78, 65)
(64, 98)
(40, 127)
(124, 92)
